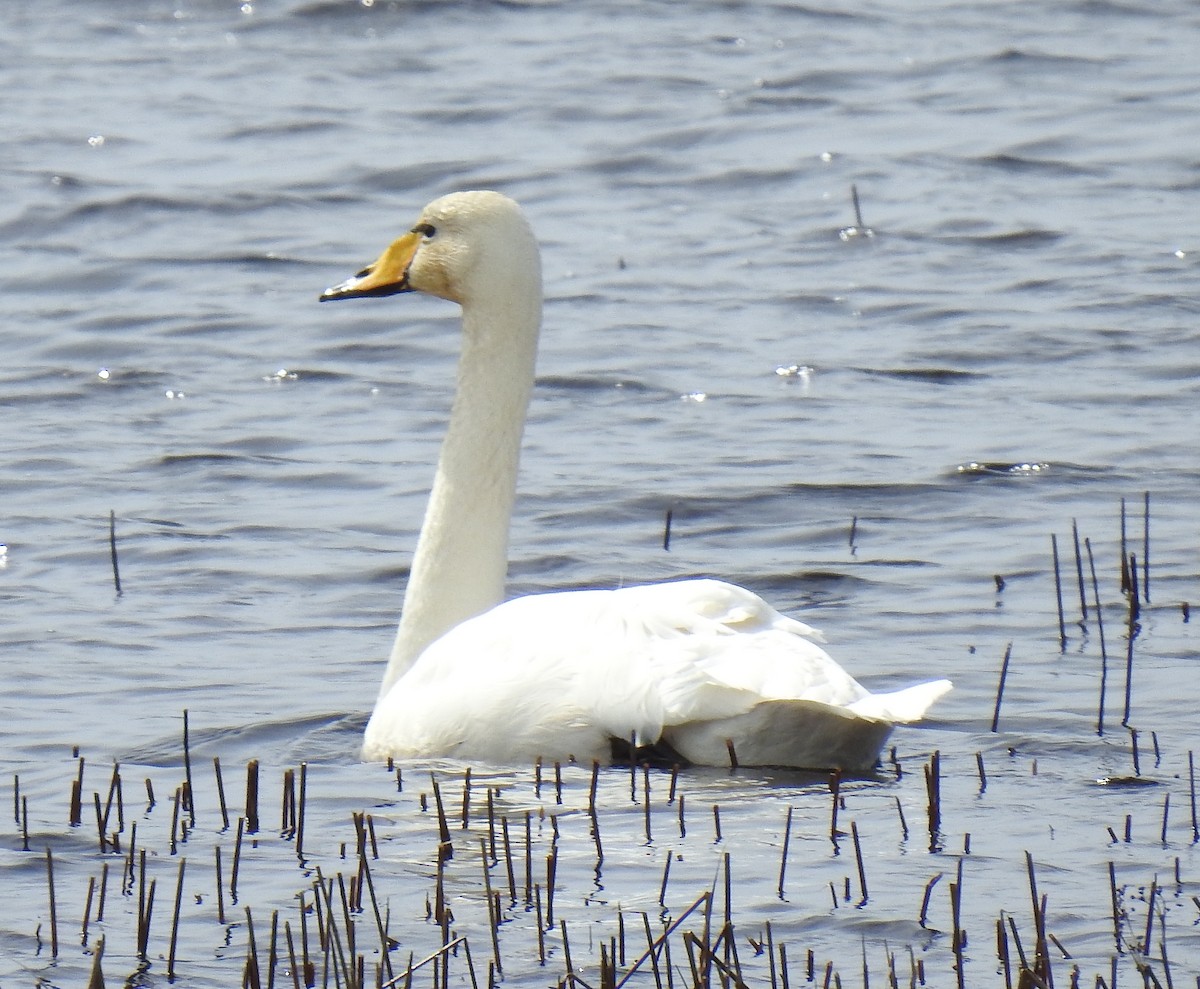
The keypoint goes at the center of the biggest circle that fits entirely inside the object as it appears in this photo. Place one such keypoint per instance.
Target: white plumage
(703, 667)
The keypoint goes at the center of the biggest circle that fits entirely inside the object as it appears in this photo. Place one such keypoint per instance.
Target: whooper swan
(704, 669)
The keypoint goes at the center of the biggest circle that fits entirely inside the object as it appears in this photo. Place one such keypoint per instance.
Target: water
(183, 180)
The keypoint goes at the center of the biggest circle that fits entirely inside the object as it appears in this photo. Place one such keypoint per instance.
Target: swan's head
(464, 246)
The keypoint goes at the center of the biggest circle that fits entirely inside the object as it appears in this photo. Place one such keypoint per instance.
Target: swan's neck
(461, 560)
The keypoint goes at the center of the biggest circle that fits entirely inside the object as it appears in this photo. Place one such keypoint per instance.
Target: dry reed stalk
(379, 924)
(176, 798)
(1062, 626)
(903, 822)
(220, 888)
(175, 920)
(53, 904)
(1002, 952)
(112, 551)
(787, 837)
(508, 861)
(541, 929)
(252, 969)
(1192, 796)
(87, 908)
(445, 848)
(1083, 606)
(661, 941)
(925, 899)
(466, 799)
(858, 856)
(291, 946)
(835, 785)
(566, 945)
(252, 797)
(1103, 645)
(528, 857)
(662, 889)
(221, 794)
(1000, 688)
(187, 769)
(287, 805)
(99, 823)
(96, 978)
(591, 805)
(300, 810)
(75, 812)
(933, 790)
(237, 860)
(1146, 547)
(1129, 670)
(646, 800)
(493, 909)
(551, 872)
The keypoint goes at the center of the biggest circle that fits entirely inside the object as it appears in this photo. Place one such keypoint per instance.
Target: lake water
(866, 421)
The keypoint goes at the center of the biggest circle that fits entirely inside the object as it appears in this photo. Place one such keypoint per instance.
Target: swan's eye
(427, 230)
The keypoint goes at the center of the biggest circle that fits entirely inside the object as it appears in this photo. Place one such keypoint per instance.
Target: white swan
(703, 667)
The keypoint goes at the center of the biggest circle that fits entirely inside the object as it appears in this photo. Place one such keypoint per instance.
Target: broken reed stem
(787, 837)
(835, 786)
(903, 822)
(252, 797)
(862, 872)
(220, 889)
(187, 769)
(53, 904)
(1083, 606)
(96, 979)
(466, 799)
(75, 813)
(175, 920)
(666, 543)
(646, 799)
(237, 858)
(303, 801)
(1146, 547)
(659, 943)
(1062, 625)
(1100, 626)
(87, 908)
(221, 794)
(1000, 688)
(445, 848)
(112, 550)
(508, 862)
(1129, 656)
(1192, 796)
(933, 789)
(493, 913)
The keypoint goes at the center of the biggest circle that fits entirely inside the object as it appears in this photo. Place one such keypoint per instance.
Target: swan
(704, 670)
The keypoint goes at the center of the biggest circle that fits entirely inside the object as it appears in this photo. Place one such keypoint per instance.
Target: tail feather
(902, 706)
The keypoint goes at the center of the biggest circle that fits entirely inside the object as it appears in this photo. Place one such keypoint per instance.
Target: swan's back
(563, 675)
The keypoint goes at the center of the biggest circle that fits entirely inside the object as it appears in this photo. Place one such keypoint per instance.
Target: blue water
(805, 391)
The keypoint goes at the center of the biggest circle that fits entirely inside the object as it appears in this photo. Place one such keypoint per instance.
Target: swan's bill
(387, 276)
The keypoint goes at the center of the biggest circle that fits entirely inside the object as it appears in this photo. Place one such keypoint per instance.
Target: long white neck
(461, 560)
